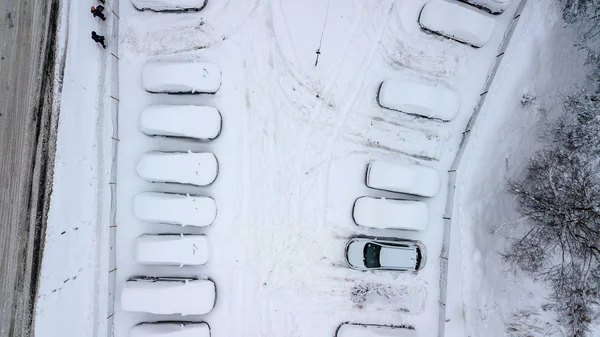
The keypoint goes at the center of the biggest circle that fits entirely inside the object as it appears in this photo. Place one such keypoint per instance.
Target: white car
(384, 213)
(172, 249)
(190, 121)
(492, 6)
(181, 77)
(175, 209)
(170, 5)
(419, 99)
(374, 254)
(170, 329)
(194, 168)
(457, 22)
(169, 295)
(395, 176)
(373, 330)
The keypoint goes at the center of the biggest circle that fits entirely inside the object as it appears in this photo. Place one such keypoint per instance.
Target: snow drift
(457, 22)
(176, 209)
(419, 99)
(172, 249)
(390, 213)
(181, 77)
(198, 169)
(191, 121)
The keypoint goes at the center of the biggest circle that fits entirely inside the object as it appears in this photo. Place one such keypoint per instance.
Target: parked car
(170, 329)
(172, 249)
(190, 121)
(181, 77)
(376, 254)
(175, 209)
(194, 168)
(492, 6)
(168, 295)
(384, 213)
(457, 22)
(373, 330)
(170, 5)
(419, 99)
(395, 176)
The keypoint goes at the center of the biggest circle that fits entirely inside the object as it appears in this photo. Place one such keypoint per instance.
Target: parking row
(175, 294)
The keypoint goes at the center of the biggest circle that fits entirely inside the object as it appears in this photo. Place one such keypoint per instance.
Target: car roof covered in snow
(169, 5)
(192, 168)
(419, 99)
(176, 209)
(181, 77)
(371, 330)
(191, 121)
(493, 6)
(390, 213)
(172, 249)
(457, 21)
(170, 329)
(396, 176)
(193, 297)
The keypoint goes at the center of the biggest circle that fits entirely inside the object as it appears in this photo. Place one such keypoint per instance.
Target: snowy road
(26, 151)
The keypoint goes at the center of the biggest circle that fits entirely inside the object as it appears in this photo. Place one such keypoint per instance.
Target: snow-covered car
(190, 121)
(172, 249)
(420, 99)
(170, 329)
(384, 213)
(169, 295)
(395, 176)
(492, 6)
(170, 5)
(373, 330)
(192, 168)
(376, 254)
(175, 209)
(178, 77)
(457, 22)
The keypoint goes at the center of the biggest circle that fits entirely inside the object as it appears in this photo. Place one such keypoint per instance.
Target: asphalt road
(27, 138)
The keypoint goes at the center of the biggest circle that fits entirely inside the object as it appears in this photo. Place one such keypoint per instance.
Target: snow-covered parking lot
(278, 112)
(300, 123)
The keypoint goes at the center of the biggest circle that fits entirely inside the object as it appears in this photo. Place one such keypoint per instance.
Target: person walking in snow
(97, 12)
(99, 39)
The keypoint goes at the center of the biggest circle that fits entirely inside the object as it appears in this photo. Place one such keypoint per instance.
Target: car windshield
(372, 252)
(419, 258)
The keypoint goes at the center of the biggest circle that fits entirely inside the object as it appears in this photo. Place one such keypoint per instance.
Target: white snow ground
(73, 288)
(293, 152)
(483, 293)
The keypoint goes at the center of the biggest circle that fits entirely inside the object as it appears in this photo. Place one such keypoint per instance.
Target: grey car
(376, 254)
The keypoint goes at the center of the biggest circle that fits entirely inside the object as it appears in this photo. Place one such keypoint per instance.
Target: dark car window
(371, 253)
(419, 258)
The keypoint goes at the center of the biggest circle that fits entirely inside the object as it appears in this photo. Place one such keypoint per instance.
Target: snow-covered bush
(559, 197)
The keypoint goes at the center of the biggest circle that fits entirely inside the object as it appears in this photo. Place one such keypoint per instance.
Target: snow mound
(167, 297)
(493, 6)
(385, 213)
(172, 249)
(457, 22)
(170, 329)
(403, 178)
(419, 99)
(169, 5)
(198, 169)
(176, 209)
(368, 330)
(191, 121)
(181, 77)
